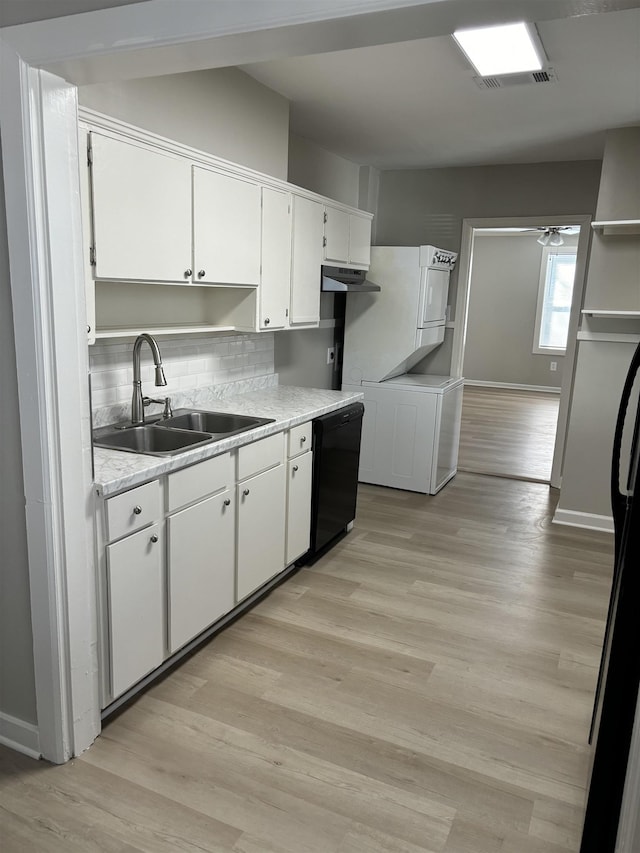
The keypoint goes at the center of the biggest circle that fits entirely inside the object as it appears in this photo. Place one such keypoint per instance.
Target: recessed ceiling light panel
(506, 49)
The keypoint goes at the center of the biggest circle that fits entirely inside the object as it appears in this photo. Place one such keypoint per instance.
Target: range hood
(343, 280)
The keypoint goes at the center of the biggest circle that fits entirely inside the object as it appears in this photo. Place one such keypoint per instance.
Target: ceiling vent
(505, 81)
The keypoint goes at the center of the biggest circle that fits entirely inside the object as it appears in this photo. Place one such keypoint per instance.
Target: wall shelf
(129, 332)
(612, 315)
(616, 227)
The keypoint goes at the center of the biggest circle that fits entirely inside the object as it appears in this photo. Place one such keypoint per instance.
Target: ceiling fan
(550, 234)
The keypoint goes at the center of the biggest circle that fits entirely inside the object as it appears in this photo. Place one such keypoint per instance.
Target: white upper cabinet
(141, 212)
(275, 283)
(306, 262)
(336, 235)
(359, 240)
(347, 238)
(226, 229)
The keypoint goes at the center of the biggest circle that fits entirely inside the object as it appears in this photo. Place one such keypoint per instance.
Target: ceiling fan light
(504, 49)
(544, 239)
(556, 239)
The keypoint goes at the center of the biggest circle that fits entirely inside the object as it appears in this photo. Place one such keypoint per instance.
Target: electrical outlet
(553, 366)
(331, 355)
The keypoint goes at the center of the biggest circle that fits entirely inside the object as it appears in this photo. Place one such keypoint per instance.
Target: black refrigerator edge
(619, 677)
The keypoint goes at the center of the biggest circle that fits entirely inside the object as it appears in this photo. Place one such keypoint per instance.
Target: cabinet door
(298, 506)
(306, 262)
(275, 282)
(359, 240)
(136, 607)
(226, 229)
(336, 233)
(261, 530)
(200, 555)
(141, 212)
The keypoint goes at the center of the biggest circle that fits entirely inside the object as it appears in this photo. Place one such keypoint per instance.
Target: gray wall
(613, 282)
(322, 172)
(223, 112)
(503, 297)
(428, 206)
(17, 686)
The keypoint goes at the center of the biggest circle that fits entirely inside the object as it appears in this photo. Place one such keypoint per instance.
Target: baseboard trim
(18, 735)
(572, 518)
(481, 383)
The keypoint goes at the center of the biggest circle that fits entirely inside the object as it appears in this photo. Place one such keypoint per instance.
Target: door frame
(462, 310)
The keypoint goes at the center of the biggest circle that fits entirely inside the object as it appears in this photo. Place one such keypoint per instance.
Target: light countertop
(116, 470)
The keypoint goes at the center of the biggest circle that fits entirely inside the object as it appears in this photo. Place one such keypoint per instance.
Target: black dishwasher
(336, 456)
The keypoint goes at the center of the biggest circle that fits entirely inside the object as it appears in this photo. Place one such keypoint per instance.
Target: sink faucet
(137, 406)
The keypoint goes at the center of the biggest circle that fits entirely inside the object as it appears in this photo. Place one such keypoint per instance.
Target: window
(555, 293)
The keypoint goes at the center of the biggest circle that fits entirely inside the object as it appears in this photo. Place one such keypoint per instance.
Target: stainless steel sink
(149, 439)
(217, 424)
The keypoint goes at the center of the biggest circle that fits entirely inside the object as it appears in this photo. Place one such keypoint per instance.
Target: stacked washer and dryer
(411, 425)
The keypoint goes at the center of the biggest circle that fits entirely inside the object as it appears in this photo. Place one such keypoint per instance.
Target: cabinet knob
(295, 467)
(201, 273)
(88, 329)
(227, 502)
(188, 273)
(154, 537)
(245, 492)
(303, 439)
(137, 510)
(266, 321)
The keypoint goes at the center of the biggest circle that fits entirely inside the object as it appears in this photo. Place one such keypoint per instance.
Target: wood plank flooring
(426, 687)
(508, 433)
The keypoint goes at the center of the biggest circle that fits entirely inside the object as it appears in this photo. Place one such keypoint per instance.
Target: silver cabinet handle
(245, 492)
(295, 467)
(154, 537)
(137, 510)
(201, 273)
(188, 273)
(227, 502)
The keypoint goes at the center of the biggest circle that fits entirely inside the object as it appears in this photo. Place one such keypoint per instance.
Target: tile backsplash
(192, 363)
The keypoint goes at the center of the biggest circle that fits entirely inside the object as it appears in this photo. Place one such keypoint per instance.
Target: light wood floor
(508, 433)
(426, 687)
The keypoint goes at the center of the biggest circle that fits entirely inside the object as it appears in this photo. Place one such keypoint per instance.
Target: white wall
(17, 686)
(223, 112)
(613, 282)
(503, 298)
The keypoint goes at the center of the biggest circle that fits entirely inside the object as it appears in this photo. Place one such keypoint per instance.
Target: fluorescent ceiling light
(506, 49)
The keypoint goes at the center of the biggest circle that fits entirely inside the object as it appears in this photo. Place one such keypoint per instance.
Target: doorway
(519, 295)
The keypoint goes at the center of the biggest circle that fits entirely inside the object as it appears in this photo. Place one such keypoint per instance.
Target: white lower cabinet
(178, 553)
(135, 588)
(298, 506)
(261, 520)
(200, 564)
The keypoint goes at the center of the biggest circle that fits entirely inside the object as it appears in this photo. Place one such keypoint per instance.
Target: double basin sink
(184, 430)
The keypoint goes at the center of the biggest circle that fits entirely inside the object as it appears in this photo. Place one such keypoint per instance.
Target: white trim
(39, 142)
(462, 311)
(616, 227)
(19, 735)
(611, 315)
(587, 520)
(609, 337)
(482, 383)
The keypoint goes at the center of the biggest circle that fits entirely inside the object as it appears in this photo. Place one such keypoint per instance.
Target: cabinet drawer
(299, 439)
(198, 481)
(260, 455)
(132, 510)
